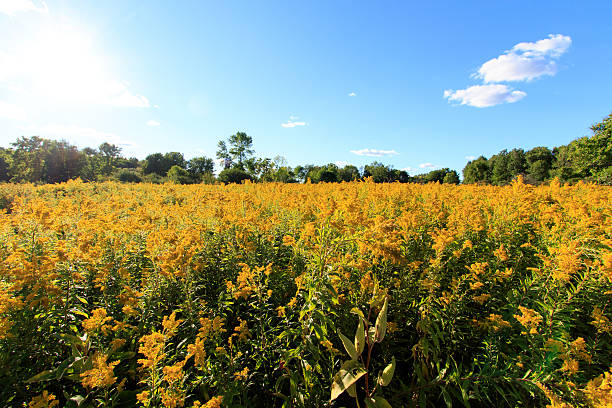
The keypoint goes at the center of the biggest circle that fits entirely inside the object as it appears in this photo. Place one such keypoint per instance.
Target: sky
(414, 85)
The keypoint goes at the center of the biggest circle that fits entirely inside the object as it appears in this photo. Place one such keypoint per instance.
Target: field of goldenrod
(270, 295)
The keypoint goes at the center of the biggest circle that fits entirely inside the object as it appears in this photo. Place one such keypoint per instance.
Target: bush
(126, 176)
(233, 175)
(179, 175)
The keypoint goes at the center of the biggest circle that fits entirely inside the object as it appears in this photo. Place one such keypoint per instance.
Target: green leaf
(387, 373)
(381, 402)
(360, 338)
(381, 322)
(348, 346)
(357, 312)
(42, 376)
(352, 390)
(350, 372)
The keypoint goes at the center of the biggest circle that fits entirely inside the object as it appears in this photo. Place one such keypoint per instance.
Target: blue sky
(415, 85)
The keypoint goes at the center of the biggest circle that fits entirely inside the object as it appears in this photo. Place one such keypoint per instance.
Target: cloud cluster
(482, 96)
(526, 61)
(153, 123)
(10, 111)
(292, 122)
(12, 7)
(374, 152)
(77, 134)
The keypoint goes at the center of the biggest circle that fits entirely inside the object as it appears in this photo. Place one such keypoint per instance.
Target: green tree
(348, 173)
(175, 159)
(198, 166)
(477, 171)
(539, 164)
(233, 175)
(110, 153)
(5, 157)
(517, 163)
(156, 163)
(500, 173)
(451, 177)
(62, 162)
(379, 172)
(240, 147)
(179, 175)
(28, 160)
(223, 154)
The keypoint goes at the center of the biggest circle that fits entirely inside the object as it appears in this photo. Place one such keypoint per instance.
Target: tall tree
(539, 164)
(240, 147)
(109, 153)
(477, 171)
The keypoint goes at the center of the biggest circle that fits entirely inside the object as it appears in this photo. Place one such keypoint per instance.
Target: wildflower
(117, 344)
(598, 391)
(45, 400)
(243, 330)
(214, 402)
(174, 372)
(101, 375)
(171, 398)
(152, 348)
(96, 321)
(288, 240)
(601, 322)
(495, 322)
(170, 324)
(570, 366)
(280, 311)
(241, 375)
(144, 397)
(481, 298)
(198, 352)
(529, 318)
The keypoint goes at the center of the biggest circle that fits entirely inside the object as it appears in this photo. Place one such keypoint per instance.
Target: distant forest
(38, 160)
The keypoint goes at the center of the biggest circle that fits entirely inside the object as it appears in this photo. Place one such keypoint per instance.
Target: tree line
(39, 160)
(586, 158)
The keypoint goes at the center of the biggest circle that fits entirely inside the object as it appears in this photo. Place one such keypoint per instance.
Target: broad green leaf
(380, 402)
(387, 373)
(360, 338)
(348, 346)
(350, 372)
(42, 376)
(352, 390)
(357, 312)
(381, 322)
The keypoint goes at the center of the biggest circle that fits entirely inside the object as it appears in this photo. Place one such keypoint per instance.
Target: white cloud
(409, 169)
(374, 152)
(10, 111)
(526, 61)
(341, 163)
(352, 94)
(156, 106)
(293, 117)
(427, 166)
(12, 7)
(76, 134)
(470, 157)
(292, 124)
(153, 123)
(482, 96)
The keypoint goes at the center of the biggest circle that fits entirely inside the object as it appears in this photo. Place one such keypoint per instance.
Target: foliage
(233, 175)
(127, 176)
(233, 295)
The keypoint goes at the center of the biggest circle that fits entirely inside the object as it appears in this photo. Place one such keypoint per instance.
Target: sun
(61, 65)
